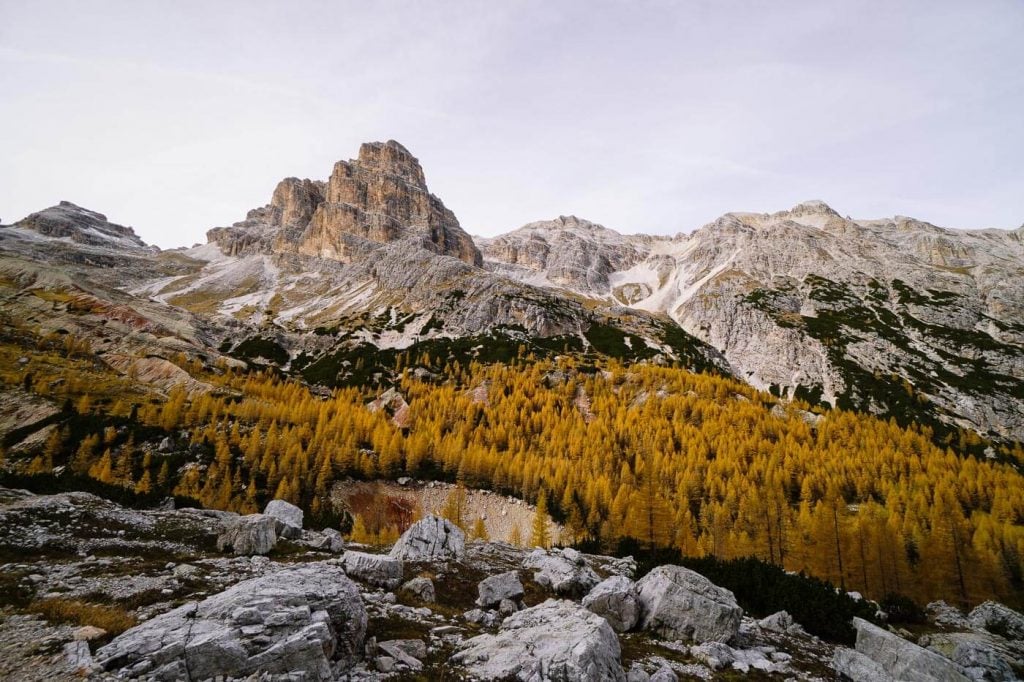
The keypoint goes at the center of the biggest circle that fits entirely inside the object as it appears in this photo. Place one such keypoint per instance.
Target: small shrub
(112, 619)
(902, 609)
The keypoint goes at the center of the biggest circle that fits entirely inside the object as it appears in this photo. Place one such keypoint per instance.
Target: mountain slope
(806, 302)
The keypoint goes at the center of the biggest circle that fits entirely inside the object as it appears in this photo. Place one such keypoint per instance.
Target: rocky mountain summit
(895, 317)
(806, 302)
(382, 197)
(303, 606)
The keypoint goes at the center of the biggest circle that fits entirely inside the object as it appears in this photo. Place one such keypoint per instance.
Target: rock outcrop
(616, 601)
(895, 657)
(998, 619)
(564, 571)
(251, 534)
(374, 569)
(678, 603)
(556, 640)
(288, 518)
(309, 619)
(498, 588)
(785, 296)
(380, 197)
(429, 539)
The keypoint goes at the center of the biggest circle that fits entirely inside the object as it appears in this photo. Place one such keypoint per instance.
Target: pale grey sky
(175, 117)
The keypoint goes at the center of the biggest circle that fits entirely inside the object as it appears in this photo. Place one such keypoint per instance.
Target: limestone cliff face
(381, 197)
(566, 252)
(79, 225)
(806, 301)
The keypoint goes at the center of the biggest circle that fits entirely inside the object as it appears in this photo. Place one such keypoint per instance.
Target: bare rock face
(566, 252)
(892, 657)
(380, 197)
(998, 619)
(556, 640)
(564, 571)
(80, 225)
(308, 619)
(677, 603)
(375, 569)
(288, 518)
(498, 588)
(251, 534)
(429, 539)
(807, 298)
(615, 600)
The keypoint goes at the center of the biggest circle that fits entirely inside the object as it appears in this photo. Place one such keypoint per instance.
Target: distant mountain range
(332, 279)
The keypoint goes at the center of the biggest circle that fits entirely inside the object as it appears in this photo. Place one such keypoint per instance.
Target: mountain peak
(392, 158)
(360, 201)
(69, 220)
(812, 206)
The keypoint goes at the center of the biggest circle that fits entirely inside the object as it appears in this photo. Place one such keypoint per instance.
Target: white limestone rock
(615, 600)
(677, 603)
(429, 539)
(252, 534)
(422, 588)
(998, 619)
(288, 518)
(564, 571)
(298, 620)
(375, 569)
(496, 588)
(899, 658)
(555, 640)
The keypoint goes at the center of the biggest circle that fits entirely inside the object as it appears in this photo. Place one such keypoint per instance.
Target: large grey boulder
(564, 571)
(300, 620)
(288, 518)
(998, 619)
(557, 640)
(854, 665)
(252, 534)
(982, 656)
(493, 590)
(376, 569)
(616, 601)
(430, 538)
(422, 588)
(677, 603)
(898, 658)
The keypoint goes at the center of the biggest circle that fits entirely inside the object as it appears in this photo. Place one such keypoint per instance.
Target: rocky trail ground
(93, 590)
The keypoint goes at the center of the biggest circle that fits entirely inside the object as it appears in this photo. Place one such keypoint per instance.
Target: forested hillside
(658, 454)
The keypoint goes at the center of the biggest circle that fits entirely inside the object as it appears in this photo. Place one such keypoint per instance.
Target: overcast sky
(643, 116)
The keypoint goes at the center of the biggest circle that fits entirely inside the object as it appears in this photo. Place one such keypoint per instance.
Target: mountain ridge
(803, 302)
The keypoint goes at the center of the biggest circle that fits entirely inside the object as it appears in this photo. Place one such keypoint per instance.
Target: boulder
(328, 540)
(429, 539)
(376, 569)
(298, 620)
(900, 659)
(782, 623)
(421, 588)
(853, 665)
(252, 534)
(288, 518)
(983, 657)
(947, 615)
(407, 652)
(677, 603)
(563, 571)
(665, 674)
(616, 601)
(78, 657)
(998, 619)
(556, 640)
(494, 589)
